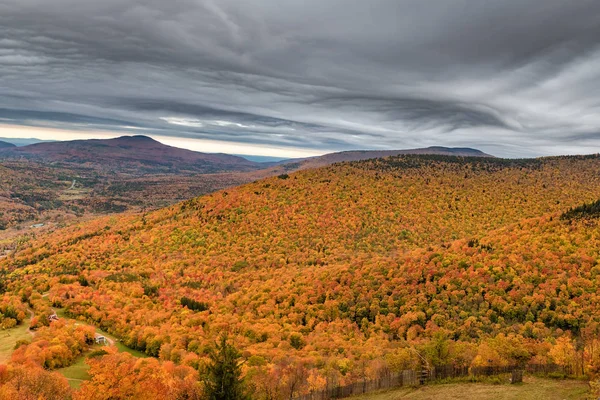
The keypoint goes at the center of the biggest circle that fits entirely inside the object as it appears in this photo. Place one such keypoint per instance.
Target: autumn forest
(318, 278)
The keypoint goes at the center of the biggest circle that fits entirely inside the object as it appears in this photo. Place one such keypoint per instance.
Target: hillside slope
(336, 273)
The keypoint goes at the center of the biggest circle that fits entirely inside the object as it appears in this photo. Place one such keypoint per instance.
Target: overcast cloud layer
(513, 78)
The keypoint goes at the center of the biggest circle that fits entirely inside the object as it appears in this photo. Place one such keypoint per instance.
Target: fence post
(517, 376)
(414, 377)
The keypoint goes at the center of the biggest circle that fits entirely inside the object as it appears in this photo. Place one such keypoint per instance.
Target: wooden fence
(414, 378)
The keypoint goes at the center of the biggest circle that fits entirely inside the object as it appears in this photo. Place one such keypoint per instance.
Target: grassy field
(531, 389)
(9, 337)
(76, 373)
(133, 352)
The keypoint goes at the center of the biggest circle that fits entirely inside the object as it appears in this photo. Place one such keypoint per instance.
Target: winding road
(110, 340)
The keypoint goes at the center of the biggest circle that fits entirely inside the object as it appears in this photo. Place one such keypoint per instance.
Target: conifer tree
(223, 375)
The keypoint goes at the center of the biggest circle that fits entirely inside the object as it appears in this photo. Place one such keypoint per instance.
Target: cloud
(513, 78)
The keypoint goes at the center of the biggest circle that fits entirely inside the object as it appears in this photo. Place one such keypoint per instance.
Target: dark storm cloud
(28, 115)
(511, 77)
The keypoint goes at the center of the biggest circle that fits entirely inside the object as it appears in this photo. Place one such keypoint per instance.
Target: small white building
(101, 340)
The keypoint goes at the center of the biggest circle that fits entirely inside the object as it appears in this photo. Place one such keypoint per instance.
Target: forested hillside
(329, 276)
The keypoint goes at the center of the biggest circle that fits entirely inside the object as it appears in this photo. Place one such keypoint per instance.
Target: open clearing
(9, 337)
(531, 389)
(120, 346)
(76, 373)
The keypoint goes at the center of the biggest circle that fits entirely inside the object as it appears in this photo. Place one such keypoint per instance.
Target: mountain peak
(135, 140)
(141, 138)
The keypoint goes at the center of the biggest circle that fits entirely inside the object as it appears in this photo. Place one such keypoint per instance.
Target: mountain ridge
(359, 155)
(131, 151)
(140, 150)
(6, 145)
(24, 141)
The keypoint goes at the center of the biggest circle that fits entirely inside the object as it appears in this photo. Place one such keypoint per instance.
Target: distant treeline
(487, 164)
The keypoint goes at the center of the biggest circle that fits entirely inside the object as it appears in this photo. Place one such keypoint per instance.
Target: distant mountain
(263, 159)
(6, 145)
(136, 154)
(24, 141)
(357, 155)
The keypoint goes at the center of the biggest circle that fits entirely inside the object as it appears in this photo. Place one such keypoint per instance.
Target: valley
(46, 186)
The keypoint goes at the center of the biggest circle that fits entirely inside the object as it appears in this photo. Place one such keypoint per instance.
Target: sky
(293, 78)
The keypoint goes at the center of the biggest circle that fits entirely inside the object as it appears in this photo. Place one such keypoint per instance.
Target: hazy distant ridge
(358, 155)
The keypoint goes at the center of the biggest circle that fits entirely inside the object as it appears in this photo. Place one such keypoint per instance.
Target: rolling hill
(358, 155)
(335, 275)
(133, 154)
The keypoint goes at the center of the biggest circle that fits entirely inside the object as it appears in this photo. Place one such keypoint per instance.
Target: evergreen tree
(223, 376)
